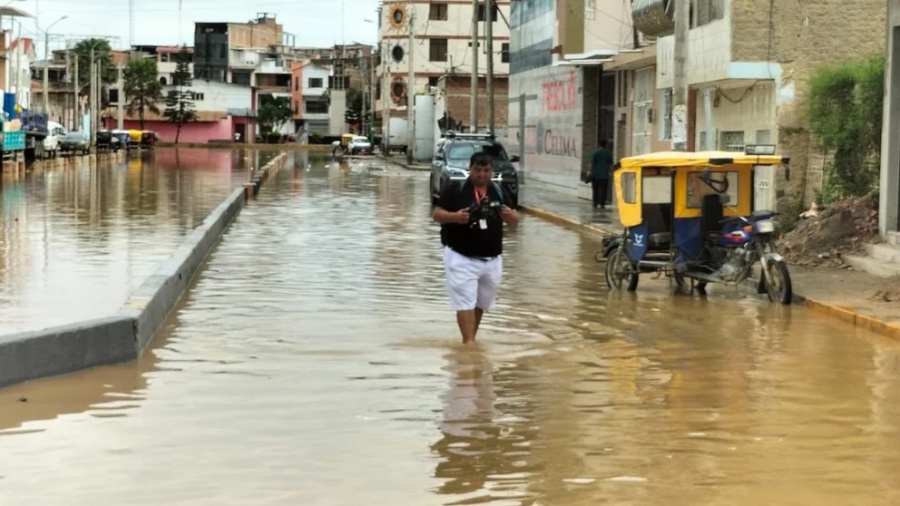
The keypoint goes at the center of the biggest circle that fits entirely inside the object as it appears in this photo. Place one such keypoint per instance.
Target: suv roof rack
(451, 134)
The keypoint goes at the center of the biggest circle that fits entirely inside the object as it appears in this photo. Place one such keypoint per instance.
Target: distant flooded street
(74, 243)
(316, 363)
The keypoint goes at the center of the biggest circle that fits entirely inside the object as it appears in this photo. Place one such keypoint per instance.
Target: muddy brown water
(315, 362)
(75, 242)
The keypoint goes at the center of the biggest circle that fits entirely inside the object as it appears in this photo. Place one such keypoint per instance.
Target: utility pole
(91, 100)
(76, 113)
(365, 89)
(473, 99)
(385, 97)
(19, 51)
(121, 101)
(489, 67)
(410, 88)
(45, 90)
(679, 90)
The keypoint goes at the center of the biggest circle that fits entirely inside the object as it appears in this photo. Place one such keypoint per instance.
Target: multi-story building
(747, 74)
(441, 47)
(19, 58)
(229, 52)
(561, 101)
(166, 59)
(311, 110)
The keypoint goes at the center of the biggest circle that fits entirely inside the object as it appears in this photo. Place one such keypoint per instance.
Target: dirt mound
(841, 228)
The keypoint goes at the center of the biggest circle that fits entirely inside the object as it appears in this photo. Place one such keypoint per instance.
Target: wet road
(74, 243)
(315, 362)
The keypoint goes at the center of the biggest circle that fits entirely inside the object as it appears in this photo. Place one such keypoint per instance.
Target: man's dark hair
(603, 143)
(481, 159)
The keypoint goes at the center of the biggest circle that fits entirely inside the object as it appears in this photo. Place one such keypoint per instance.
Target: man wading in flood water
(472, 217)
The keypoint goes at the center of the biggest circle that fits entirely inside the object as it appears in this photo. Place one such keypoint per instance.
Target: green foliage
(180, 100)
(845, 114)
(142, 88)
(273, 112)
(102, 54)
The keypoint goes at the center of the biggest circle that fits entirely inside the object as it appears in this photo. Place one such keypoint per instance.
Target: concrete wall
(747, 109)
(709, 50)
(123, 336)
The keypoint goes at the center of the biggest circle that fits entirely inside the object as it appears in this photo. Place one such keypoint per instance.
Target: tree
(142, 88)
(102, 54)
(180, 101)
(273, 112)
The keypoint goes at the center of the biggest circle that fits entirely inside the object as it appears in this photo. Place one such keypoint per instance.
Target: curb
(124, 335)
(566, 221)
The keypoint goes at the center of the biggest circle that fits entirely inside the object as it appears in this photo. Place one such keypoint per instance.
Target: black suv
(451, 163)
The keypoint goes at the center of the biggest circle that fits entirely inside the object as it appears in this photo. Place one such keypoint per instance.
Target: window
(657, 189)
(437, 12)
(314, 82)
(697, 189)
(316, 107)
(706, 11)
(665, 124)
(733, 141)
(504, 52)
(296, 84)
(437, 50)
(196, 96)
(481, 16)
(433, 81)
(163, 81)
(629, 188)
(296, 107)
(463, 151)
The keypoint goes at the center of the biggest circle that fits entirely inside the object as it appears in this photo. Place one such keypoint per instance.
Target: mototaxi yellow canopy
(698, 159)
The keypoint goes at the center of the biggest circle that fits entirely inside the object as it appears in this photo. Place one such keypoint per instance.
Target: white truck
(398, 135)
(51, 143)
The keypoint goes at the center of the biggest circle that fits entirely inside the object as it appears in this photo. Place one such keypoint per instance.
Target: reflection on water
(316, 363)
(74, 243)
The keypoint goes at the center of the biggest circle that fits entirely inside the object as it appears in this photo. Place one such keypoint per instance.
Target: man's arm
(447, 211)
(509, 216)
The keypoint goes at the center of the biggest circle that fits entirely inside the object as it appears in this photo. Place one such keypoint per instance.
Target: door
(641, 128)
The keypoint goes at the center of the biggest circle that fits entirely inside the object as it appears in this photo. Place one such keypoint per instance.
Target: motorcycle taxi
(691, 216)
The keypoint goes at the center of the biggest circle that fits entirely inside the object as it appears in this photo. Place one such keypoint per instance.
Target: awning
(633, 60)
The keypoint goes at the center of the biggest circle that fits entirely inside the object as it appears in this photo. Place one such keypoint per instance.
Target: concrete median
(68, 348)
(125, 335)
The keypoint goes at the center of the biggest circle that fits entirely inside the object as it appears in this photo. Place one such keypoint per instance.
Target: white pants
(472, 283)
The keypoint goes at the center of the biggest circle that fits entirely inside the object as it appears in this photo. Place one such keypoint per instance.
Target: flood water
(74, 243)
(316, 362)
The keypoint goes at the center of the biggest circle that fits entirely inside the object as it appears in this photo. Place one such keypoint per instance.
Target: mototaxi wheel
(618, 268)
(779, 288)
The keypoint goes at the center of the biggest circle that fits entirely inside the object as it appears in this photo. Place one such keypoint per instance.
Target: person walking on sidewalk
(601, 165)
(472, 215)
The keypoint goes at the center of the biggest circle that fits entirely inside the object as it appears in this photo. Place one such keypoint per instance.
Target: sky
(313, 22)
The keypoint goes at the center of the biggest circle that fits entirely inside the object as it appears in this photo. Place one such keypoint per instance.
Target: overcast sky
(313, 22)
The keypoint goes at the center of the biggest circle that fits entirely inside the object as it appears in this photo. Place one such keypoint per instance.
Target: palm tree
(142, 87)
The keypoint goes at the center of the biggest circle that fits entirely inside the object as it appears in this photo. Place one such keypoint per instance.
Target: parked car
(74, 142)
(360, 146)
(451, 163)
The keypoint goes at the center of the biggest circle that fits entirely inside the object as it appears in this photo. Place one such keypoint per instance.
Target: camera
(484, 211)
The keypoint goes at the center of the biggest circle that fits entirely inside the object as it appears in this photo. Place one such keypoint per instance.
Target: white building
(442, 33)
(310, 83)
(20, 55)
(213, 96)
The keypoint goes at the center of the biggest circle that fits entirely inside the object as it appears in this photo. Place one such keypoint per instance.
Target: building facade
(441, 47)
(20, 56)
(747, 72)
(310, 104)
(561, 102)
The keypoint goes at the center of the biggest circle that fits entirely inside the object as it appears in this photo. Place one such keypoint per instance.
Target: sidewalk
(855, 297)
(400, 159)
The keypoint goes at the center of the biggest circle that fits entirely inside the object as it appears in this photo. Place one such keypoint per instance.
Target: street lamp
(369, 120)
(47, 65)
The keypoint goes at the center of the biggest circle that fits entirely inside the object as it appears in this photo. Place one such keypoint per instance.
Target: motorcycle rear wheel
(619, 268)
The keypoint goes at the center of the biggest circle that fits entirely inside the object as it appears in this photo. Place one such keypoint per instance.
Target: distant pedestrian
(598, 175)
(334, 148)
(472, 215)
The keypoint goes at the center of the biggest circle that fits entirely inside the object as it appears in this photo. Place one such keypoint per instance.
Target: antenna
(131, 23)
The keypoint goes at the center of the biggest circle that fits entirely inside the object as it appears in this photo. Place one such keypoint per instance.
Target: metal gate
(641, 128)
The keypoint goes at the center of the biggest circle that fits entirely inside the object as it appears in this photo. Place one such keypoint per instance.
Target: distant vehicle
(74, 142)
(360, 146)
(398, 139)
(451, 163)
